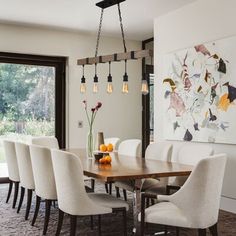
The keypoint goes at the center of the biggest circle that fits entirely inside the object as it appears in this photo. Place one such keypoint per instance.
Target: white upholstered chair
(196, 204)
(52, 142)
(190, 154)
(161, 151)
(45, 187)
(46, 141)
(26, 175)
(13, 170)
(130, 148)
(72, 197)
(114, 141)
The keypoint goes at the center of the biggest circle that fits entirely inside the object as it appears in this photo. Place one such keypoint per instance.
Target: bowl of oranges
(102, 155)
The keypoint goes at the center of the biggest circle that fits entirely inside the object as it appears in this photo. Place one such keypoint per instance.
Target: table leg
(137, 205)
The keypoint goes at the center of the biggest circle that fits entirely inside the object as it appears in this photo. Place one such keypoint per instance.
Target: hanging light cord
(122, 28)
(109, 67)
(99, 32)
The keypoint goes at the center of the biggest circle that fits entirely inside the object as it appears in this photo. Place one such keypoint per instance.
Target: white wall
(199, 22)
(120, 114)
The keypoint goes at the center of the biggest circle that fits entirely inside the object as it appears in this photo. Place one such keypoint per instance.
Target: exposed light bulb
(125, 87)
(82, 87)
(95, 84)
(109, 87)
(95, 87)
(109, 81)
(83, 84)
(144, 87)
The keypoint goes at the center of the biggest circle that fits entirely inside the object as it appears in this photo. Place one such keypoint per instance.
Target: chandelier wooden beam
(132, 55)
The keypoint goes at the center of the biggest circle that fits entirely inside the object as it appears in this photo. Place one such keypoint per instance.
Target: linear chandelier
(116, 57)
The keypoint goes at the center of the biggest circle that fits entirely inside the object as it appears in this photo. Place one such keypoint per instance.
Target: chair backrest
(44, 179)
(159, 151)
(46, 141)
(130, 147)
(114, 141)
(10, 155)
(72, 197)
(191, 154)
(25, 165)
(199, 197)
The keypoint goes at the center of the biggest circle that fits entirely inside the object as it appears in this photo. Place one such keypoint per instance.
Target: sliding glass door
(32, 99)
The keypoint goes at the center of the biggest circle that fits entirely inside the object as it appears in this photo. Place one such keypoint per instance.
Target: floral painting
(200, 93)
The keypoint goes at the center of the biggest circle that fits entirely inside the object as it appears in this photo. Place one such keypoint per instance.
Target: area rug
(13, 224)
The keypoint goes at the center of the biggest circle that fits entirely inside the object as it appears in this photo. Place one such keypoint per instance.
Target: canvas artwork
(200, 92)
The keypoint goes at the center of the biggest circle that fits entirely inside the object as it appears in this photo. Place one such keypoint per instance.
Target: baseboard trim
(228, 204)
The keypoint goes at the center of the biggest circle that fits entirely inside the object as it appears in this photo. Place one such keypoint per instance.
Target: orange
(103, 148)
(108, 159)
(109, 147)
(102, 160)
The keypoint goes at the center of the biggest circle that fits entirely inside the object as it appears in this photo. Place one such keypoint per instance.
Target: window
(32, 99)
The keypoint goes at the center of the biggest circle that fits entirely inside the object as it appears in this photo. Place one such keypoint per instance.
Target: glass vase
(90, 143)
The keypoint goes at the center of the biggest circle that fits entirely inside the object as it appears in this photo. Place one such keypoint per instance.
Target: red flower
(99, 104)
(93, 109)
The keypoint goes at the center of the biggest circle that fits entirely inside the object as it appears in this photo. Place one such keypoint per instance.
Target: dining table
(130, 168)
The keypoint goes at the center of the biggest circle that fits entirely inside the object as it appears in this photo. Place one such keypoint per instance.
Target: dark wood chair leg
(125, 194)
(60, 222)
(125, 222)
(147, 202)
(213, 230)
(117, 192)
(54, 204)
(152, 201)
(38, 201)
(106, 187)
(92, 184)
(201, 232)
(73, 222)
(177, 231)
(29, 200)
(15, 194)
(47, 215)
(9, 191)
(166, 231)
(91, 222)
(99, 226)
(142, 225)
(22, 194)
(110, 188)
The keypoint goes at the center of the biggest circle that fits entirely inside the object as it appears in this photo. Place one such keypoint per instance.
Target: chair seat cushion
(165, 213)
(107, 200)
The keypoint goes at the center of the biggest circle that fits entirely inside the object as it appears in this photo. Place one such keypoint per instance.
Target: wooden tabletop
(125, 167)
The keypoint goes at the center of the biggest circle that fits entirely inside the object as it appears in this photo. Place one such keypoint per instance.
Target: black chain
(122, 28)
(99, 33)
(100, 28)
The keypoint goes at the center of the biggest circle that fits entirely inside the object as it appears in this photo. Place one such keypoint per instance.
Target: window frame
(59, 63)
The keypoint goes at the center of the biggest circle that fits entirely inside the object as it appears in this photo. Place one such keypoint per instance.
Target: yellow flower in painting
(224, 102)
